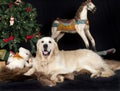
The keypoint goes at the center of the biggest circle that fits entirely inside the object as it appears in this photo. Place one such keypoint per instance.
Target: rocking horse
(79, 24)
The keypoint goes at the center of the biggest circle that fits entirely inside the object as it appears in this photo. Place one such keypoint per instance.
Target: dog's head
(46, 47)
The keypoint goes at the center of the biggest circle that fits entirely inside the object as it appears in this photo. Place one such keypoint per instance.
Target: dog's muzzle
(46, 52)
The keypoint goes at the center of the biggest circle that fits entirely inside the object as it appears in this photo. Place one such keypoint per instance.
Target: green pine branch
(25, 24)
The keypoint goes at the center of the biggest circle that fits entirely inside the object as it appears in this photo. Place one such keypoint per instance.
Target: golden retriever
(50, 60)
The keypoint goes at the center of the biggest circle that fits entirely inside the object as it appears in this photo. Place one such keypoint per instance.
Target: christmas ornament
(11, 21)
(28, 9)
(10, 5)
(17, 2)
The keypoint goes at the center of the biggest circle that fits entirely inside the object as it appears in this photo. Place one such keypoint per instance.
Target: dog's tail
(114, 64)
(13, 75)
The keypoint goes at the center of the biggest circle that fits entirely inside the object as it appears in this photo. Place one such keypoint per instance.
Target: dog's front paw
(53, 78)
(26, 74)
(60, 79)
(30, 72)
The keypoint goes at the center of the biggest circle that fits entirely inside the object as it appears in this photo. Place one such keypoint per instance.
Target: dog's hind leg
(107, 72)
(94, 72)
(100, 72)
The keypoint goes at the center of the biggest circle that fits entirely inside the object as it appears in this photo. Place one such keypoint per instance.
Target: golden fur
(114, 64)
(53, 62)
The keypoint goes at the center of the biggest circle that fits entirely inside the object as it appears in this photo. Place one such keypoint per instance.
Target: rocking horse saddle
(66, 20)
(66, 25)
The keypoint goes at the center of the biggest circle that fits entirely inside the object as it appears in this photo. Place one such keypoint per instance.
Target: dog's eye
(42, 41)
(50, 42)
(27, 54)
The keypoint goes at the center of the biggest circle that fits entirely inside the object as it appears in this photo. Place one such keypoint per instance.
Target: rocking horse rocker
(79, 24)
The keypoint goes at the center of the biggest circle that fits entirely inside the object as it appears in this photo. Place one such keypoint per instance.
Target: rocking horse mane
(77, 15)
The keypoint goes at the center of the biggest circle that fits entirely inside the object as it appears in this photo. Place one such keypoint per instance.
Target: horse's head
(82, 10)
(90, 6)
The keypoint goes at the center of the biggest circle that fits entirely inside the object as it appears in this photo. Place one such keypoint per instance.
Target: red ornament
(10, 4)
(28, 9)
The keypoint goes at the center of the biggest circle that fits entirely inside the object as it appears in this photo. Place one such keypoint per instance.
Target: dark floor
(81, 83)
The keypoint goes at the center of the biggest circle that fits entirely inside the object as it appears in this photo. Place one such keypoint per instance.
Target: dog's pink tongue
(45, 52)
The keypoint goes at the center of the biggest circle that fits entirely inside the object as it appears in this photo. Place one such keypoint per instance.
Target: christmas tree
(18, 24)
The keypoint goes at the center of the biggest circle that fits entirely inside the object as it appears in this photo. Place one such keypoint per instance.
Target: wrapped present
(2, 64)
(2, 54)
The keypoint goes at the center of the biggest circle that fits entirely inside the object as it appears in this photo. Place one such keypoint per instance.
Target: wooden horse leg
(88, 34)
(55, 33)
(80, 31)
(59, 36)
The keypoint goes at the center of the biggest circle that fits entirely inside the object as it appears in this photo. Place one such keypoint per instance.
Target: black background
(104, 23)
(105, 28)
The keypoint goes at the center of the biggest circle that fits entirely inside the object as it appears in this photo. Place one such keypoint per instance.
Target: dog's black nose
(45, 46)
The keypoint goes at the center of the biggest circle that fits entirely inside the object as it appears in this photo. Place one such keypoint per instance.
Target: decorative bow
(8, 39)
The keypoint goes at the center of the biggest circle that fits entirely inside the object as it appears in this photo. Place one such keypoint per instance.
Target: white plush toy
(19, 60)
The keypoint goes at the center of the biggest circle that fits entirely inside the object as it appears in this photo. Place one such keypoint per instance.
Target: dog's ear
(38, 48)
(56, 50)
(38, 44)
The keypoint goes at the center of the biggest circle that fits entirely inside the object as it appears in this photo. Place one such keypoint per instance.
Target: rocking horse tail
(90, 37)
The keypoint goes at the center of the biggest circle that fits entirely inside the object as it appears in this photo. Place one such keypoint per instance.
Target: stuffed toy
(20, 59)
(4, 54)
